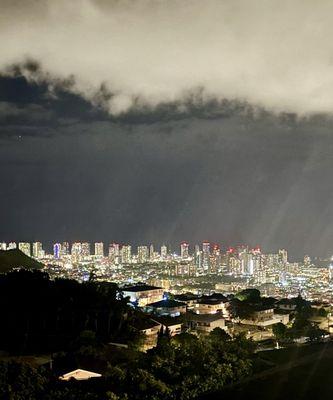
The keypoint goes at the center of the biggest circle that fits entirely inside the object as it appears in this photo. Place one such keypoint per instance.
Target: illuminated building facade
(143, 254)
(37, 250)
(99, 249)
(184, 250)
(25, 248)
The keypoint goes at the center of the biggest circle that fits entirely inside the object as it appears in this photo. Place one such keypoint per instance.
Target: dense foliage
(38, 314)
(182, 367)
(246, 302)
(301, 326)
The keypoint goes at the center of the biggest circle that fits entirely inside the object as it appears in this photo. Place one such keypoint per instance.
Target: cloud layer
(126, 54)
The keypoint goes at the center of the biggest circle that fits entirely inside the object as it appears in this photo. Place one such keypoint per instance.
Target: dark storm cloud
(229, 179)
(163, 121)
(39, 103)
(12, 114)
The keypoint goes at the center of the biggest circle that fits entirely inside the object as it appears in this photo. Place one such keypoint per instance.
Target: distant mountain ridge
(15, 258)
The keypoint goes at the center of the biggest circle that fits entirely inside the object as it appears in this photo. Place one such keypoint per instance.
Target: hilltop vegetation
(77, 321)
(39, 314)
(183, 367)
(15, 258)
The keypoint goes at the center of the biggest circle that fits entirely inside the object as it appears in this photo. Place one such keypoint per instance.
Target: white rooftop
(80, 375)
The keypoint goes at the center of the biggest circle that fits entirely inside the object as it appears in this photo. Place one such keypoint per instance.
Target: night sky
(137, 146)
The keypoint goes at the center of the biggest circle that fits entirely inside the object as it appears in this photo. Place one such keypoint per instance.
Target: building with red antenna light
(256, 250)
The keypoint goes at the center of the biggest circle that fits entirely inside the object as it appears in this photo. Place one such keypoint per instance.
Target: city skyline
(175, 248)
(197, 269)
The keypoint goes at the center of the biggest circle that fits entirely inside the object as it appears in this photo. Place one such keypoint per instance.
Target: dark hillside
(15, 258)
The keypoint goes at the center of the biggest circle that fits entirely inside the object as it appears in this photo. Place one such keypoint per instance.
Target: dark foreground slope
(15, 258)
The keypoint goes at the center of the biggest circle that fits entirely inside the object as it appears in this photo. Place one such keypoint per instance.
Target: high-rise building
(273, 260)
(37, 250)
(126, 254)
(57, 251)
(283, 256)
(250, 265)
(143, 254)
(151, 252)
(197, 257)
(114, 253)
(164, 252)
(258, 268)
(99, 249)
(25, 247)
(76, 251)
(234, 265)
(11, 246)
(64, 248)
(205, 255)
(243, 259)
(246, 263)
(215, 259)
(3, 246)
(184, 254)
(307, 260)
(86, 249)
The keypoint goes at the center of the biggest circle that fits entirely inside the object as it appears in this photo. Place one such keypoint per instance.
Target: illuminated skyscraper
(76, 251)
(151, 252)
(246, 260)
(114, 253)
(184, 250)
(11, 245)
(242, 256)
(234, 265)
(143, 254)
(37, 250)
(259, 269)
(25, 248)
(86, 249)
(250, 265)
(3, 246)
(283, 256)
(126, 254)
(57, 251)
(164, 252)
(197, 257)
(205, 256)
(215, 259)
(64, 249)
(99, 249)
(307, 260)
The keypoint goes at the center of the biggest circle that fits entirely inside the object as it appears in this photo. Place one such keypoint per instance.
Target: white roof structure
(79, 375)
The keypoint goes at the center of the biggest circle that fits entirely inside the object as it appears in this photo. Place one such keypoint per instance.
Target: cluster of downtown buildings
(199, 269)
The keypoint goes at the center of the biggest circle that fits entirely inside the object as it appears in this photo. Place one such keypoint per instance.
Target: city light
(197, 269)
